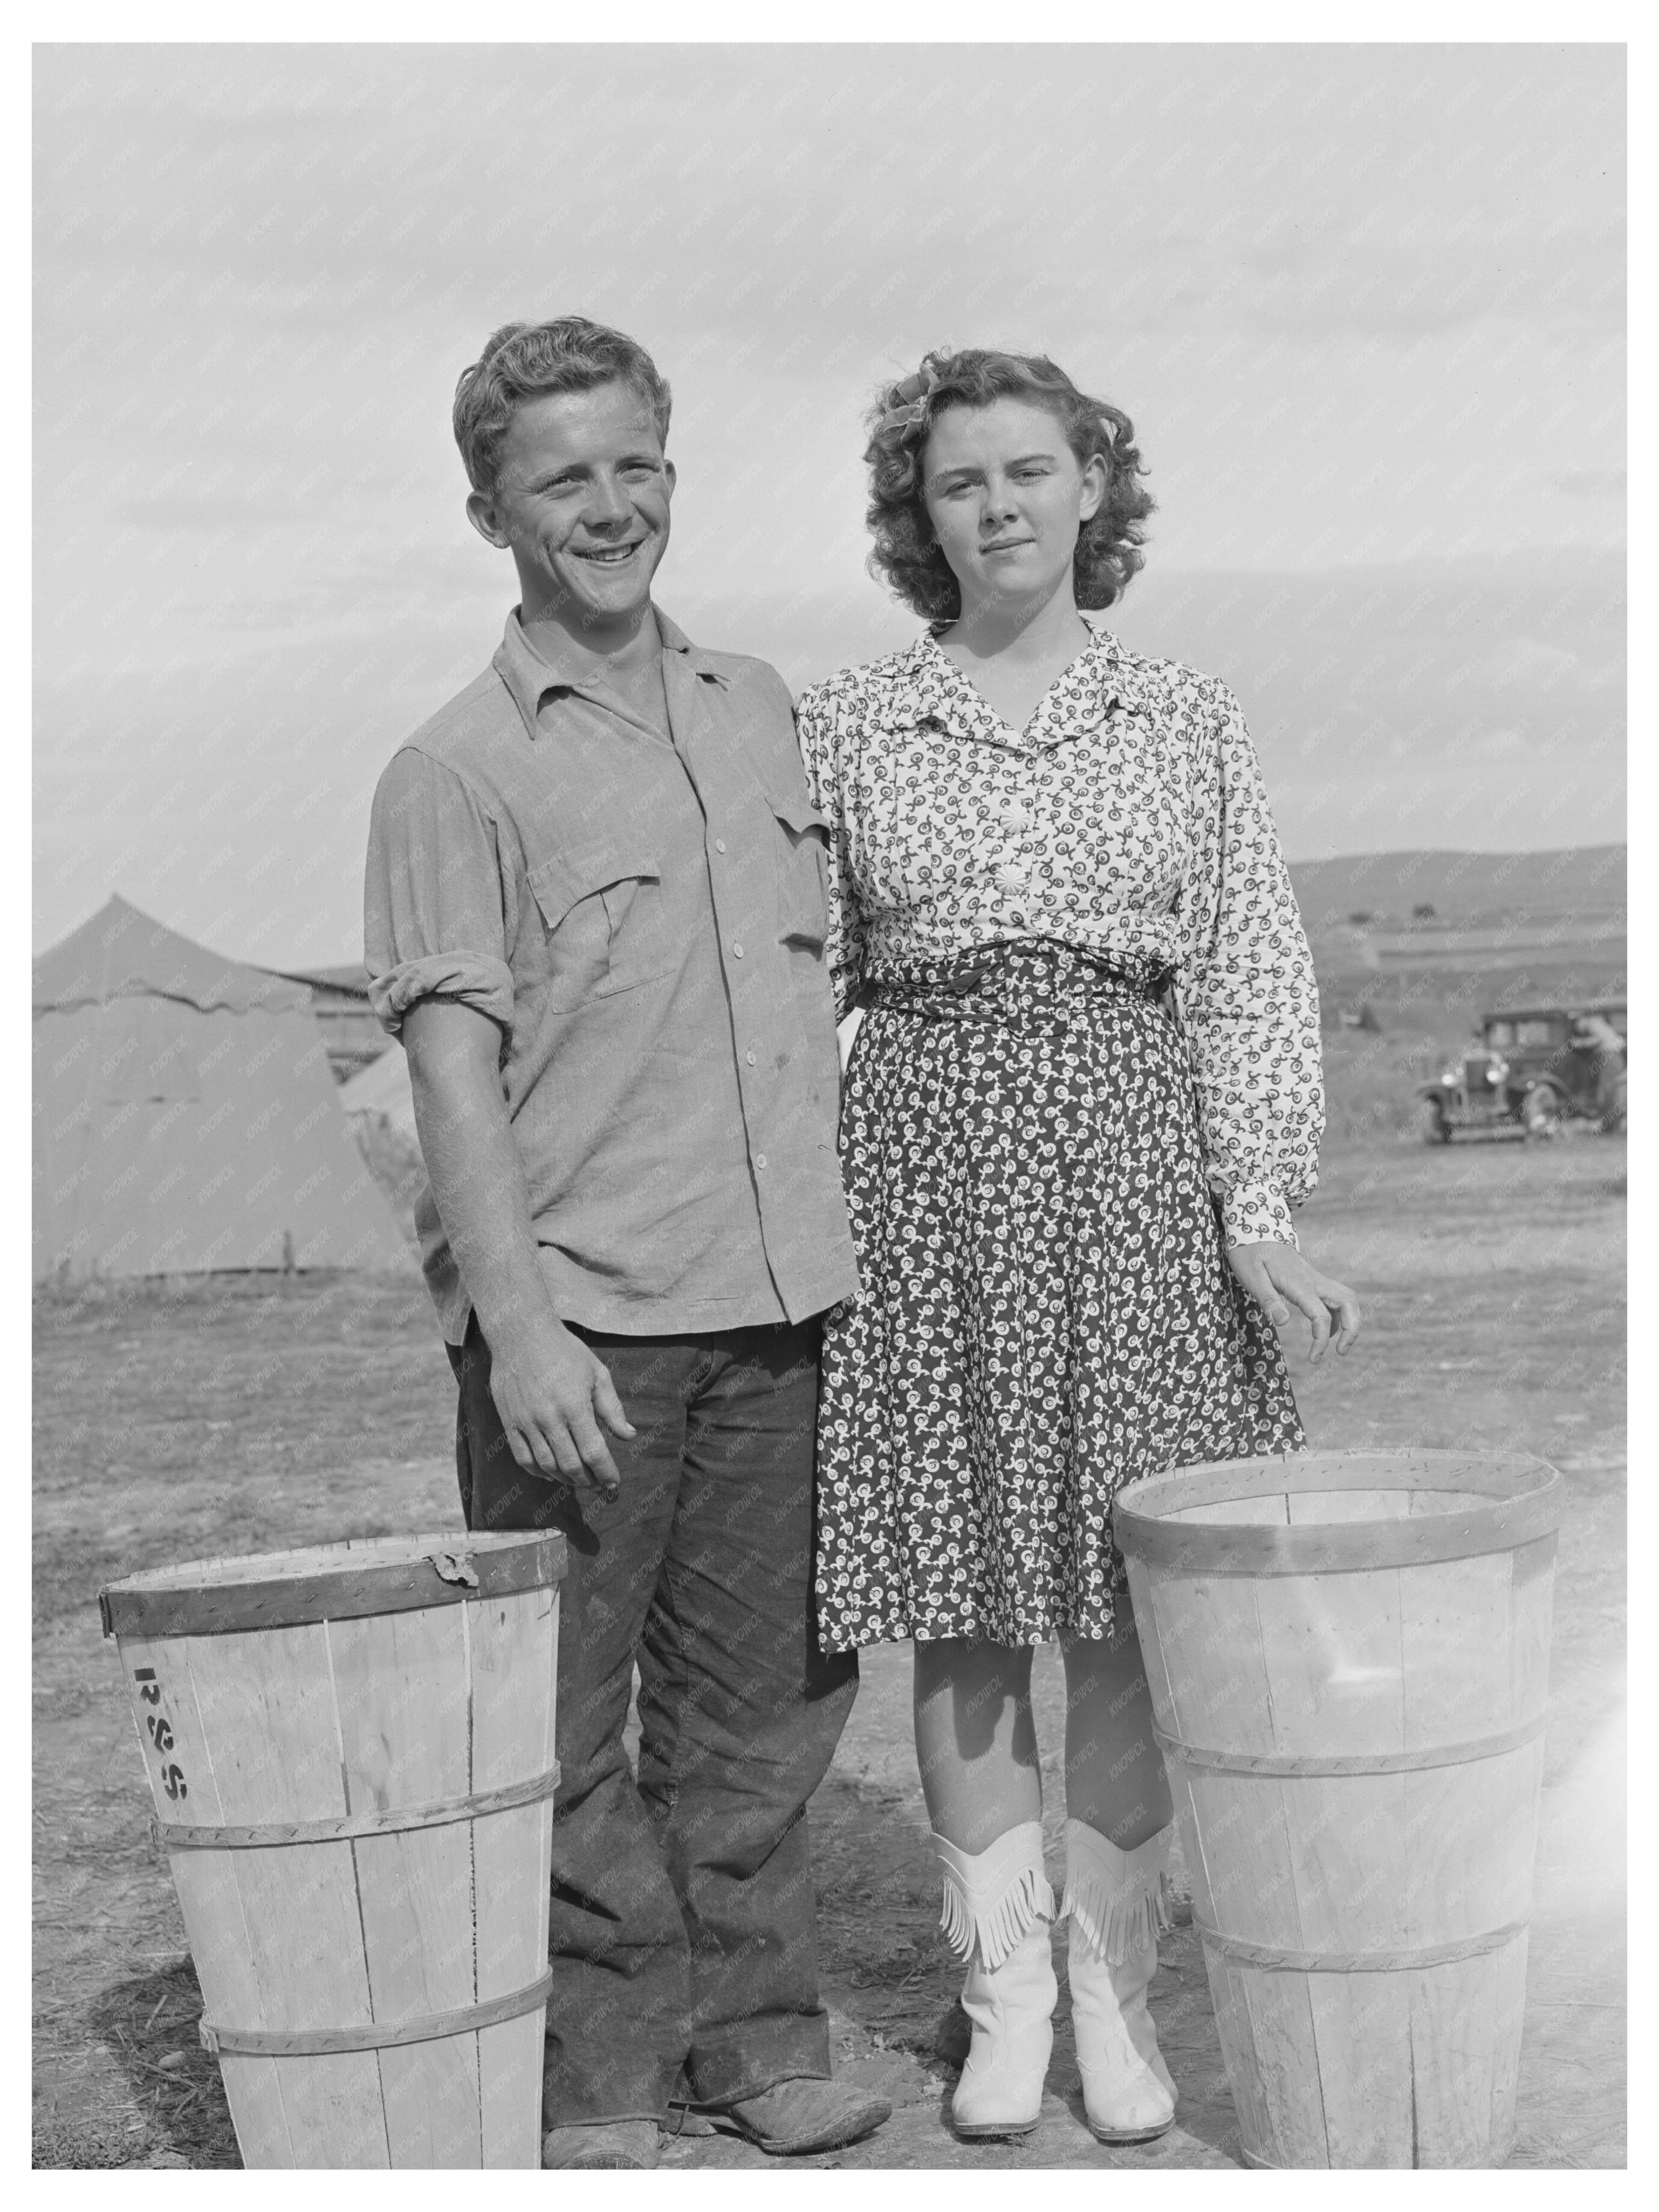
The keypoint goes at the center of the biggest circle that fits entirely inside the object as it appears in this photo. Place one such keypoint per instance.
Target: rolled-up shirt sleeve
(1248, 998)
(817, 733)
(434, 923)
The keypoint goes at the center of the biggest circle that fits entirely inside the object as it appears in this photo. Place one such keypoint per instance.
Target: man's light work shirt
(644, 921)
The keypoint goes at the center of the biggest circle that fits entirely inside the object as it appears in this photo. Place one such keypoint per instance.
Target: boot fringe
(1021, 1898)
(1117, 1918)
(1007, 1923)
(1114, 1928)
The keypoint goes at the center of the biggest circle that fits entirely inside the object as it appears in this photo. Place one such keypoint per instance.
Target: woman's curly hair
(906, 555)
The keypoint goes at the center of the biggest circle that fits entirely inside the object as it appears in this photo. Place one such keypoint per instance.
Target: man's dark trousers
(683, 1927)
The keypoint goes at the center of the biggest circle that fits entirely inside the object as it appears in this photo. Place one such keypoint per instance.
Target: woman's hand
(1278, 1277)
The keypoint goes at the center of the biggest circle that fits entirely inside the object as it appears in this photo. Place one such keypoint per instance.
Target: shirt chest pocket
(602, 907)
(801, 848)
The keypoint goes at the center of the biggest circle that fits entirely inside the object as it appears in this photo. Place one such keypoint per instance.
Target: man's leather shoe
(801, 2115)
(606, 2145)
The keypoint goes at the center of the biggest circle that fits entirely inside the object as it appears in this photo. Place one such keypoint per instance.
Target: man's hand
(1275, 1275)
(552, 1395)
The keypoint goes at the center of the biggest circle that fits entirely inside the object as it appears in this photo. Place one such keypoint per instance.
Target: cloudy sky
(1364, 303)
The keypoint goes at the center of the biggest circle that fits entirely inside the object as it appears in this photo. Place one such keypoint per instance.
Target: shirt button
(750, 1057)
(719, 844)
(737, 951)
(760, 1159)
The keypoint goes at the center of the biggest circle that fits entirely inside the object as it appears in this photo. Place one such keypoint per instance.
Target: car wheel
(1431, 1123)
(1542, 1110)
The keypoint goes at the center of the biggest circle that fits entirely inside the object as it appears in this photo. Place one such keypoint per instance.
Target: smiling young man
(595, 913)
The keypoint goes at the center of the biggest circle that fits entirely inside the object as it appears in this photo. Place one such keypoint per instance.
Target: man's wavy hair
(521, 360)
(906, 555)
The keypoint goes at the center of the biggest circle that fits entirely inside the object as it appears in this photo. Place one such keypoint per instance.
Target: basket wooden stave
(397, 1698)
(1348, 1659)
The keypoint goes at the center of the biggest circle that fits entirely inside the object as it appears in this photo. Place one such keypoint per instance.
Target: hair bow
(907, 401)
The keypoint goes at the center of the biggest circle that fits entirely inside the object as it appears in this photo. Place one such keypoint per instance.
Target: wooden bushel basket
(350, 1749)
(1348, 1655)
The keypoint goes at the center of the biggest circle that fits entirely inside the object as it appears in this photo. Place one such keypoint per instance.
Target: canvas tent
(383, 1088)
(340, 1001)
(185, 1116)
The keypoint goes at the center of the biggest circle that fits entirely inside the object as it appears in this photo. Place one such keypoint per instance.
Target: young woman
(1084, 1093)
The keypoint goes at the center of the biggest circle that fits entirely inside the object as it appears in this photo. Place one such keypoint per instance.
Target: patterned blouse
(1128, 816)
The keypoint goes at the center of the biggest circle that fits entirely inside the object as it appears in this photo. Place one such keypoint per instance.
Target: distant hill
(1468, 889)
(1509, 929)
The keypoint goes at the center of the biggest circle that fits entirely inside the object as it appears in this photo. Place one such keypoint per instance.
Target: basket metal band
(393, 1820)
(1357, 1962)
(1295, 1766)
(355, 1585)
(375, 2035)
(1522, 1502)
(1339, 1548)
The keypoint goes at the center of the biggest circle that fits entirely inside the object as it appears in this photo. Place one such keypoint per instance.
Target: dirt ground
(242, 1414)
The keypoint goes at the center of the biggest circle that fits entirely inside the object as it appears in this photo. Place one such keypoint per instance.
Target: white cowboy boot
(1118, 1901)
(998, 1906)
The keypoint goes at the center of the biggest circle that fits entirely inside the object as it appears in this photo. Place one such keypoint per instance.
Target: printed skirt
(1045, 1310)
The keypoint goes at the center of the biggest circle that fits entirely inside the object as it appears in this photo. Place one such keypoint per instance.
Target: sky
(1364, 304)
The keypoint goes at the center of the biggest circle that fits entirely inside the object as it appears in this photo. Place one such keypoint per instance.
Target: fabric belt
(1017, 980)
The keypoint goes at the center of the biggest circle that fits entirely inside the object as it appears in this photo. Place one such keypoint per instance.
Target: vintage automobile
(1534, 1069)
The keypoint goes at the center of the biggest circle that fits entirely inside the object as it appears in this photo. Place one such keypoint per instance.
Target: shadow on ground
(176, 1422)
(148, 2025)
